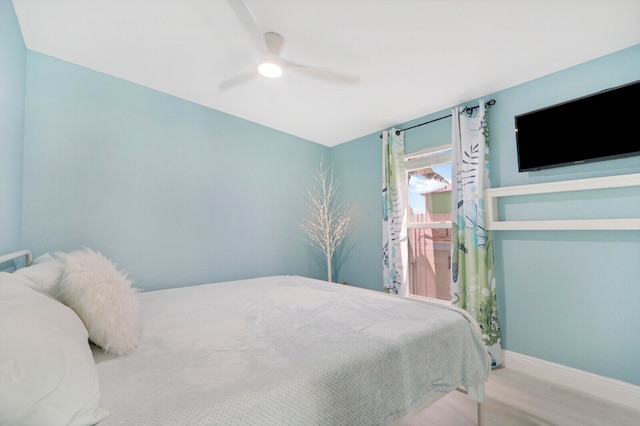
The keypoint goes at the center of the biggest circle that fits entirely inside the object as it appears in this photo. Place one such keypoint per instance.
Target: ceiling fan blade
(250, 24)
(322, 73)
(235, 81)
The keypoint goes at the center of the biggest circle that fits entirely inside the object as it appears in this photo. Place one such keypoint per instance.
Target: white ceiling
(414, 57)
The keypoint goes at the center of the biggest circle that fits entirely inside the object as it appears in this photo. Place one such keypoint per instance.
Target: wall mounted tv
(597, 127)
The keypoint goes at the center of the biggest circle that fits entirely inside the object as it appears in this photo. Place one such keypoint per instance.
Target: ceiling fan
(272, 65)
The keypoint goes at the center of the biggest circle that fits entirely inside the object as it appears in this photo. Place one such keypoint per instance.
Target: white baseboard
(600, 386)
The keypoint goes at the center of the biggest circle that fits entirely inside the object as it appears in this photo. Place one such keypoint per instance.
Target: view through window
(429, 222)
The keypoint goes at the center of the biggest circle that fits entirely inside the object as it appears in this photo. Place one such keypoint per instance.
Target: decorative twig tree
(329, 221)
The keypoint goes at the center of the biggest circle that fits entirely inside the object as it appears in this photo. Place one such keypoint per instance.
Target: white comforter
(286, 350)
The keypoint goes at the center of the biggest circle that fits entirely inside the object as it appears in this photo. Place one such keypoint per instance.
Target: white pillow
(44, 274)
(47, 372)
(103, 298)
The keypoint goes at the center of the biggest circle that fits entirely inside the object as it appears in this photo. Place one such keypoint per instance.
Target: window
(429, 222)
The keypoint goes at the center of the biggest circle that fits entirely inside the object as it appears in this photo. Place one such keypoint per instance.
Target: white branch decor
(329, 221)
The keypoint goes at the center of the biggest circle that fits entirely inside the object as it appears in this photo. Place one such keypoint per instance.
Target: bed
(279, 350)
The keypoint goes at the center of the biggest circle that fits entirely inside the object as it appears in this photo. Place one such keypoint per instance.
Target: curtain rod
(466, 110)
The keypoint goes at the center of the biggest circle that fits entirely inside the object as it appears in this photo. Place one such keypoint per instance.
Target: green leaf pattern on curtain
(394, 214)
(473, 283)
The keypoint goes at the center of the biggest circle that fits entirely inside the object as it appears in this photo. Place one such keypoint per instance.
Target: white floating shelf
(495, 224)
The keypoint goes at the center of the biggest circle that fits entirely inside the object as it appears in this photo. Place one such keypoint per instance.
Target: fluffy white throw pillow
(103, 298)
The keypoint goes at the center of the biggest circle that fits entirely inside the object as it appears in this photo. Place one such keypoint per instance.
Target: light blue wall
(358, 260)
(12, 82)
(175, 193)
(569, 297)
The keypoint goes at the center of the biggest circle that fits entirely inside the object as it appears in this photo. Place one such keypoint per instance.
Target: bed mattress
(286, 350)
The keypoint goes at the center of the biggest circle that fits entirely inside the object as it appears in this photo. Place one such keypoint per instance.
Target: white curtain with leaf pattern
(394, 214)
(473, 281)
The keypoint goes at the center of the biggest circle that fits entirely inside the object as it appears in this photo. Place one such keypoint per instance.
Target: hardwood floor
(517, 399)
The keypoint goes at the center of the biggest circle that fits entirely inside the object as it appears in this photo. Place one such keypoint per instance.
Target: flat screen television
(600, 126)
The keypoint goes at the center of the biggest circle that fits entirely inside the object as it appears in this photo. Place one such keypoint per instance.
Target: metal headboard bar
(17, 255)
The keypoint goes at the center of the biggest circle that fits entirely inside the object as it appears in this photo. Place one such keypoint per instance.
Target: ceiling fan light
(270, 69)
